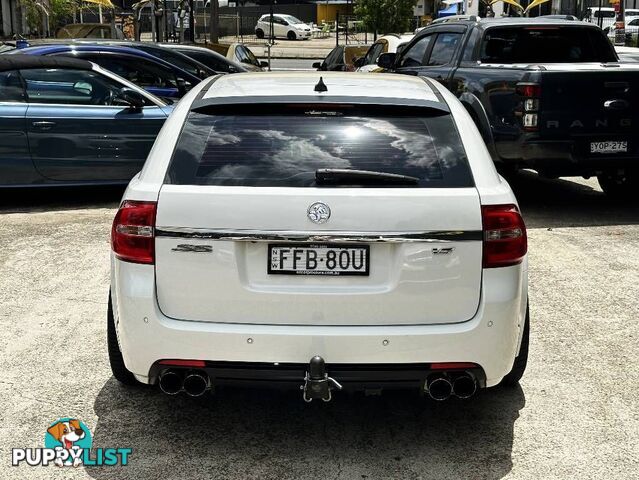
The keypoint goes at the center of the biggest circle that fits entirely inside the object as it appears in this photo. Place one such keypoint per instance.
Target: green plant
(58, 11)
(385, 16)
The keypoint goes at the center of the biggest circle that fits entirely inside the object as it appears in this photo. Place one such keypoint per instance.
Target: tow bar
(317, 383)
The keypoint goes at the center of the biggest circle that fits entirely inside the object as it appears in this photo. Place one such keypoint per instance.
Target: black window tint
(334, 58)
(414, 54)
(11, 87)
(240, 55)
(250, 57)
(70, 87)
(285, 150)
(444, 48)
(174, 58)
(136, 70)
(469, 48)
(210, 61)
(545, 44)
(605, 14)
(373, 54)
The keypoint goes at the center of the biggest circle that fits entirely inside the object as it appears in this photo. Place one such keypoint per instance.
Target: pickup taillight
(530, 94)
(133, 232)
(505, 240)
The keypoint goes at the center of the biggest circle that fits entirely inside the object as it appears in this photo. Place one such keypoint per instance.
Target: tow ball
(317, 383)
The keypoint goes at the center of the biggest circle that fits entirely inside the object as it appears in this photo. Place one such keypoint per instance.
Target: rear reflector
(452, 365)
(505, 241)
(132, 236)
(184, 363)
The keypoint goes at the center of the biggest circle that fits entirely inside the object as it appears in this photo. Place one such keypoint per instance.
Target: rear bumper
(490, 339)
(563, 158)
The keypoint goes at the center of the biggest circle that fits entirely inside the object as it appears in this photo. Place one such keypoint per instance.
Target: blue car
(153, 74)
(66, 121)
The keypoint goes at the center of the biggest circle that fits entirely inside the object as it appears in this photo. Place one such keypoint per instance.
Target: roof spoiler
(204, 104)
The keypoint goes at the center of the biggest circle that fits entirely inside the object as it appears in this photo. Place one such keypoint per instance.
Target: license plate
(318, 259)
(609, 147)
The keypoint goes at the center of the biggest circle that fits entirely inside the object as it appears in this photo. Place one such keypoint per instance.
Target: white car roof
(390, 87)
(395, 40)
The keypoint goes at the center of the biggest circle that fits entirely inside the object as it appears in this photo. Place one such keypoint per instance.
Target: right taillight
(132, 235)
(505, 241)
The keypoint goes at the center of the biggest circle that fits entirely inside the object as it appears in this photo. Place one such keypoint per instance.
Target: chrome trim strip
(329, 236)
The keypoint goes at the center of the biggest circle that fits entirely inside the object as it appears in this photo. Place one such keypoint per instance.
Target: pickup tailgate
(594, 104)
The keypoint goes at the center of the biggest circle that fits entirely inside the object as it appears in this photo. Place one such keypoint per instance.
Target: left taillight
(133, 232)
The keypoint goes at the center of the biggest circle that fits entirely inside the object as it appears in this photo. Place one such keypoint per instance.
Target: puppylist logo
(68, 442)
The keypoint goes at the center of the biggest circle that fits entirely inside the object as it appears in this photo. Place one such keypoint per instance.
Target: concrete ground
(575, 415)
(283, 64)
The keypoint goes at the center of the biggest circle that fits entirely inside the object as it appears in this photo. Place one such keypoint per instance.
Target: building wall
(328, 13)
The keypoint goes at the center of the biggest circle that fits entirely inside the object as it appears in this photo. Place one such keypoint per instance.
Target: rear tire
(259, 33)
(622, 187)
(521, 360)
(120, 372)
(291, 35)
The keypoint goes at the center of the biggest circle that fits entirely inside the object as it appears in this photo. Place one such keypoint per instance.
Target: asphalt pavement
(575, 415)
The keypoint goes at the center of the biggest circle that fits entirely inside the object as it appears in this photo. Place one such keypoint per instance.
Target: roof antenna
(321, 86)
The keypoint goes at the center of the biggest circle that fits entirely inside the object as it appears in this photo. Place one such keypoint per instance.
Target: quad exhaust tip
(464, 386)
(439, 387)
(442, 385)
(170, 382)
(194, 384)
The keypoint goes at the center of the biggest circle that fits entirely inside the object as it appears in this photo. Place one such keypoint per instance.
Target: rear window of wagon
(284, 148)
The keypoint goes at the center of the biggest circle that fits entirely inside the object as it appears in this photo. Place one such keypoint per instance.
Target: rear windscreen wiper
(336, 176)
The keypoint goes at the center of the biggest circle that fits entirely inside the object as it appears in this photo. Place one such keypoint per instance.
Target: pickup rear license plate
(318, 259)
(609, 147)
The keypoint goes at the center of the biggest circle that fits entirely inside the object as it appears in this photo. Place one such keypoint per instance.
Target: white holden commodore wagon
(349, 232)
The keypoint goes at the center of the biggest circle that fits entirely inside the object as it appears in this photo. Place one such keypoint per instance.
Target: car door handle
(43, 125)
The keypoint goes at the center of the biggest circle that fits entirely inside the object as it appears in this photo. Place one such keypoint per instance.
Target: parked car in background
(358, 239)
(5, 47)
(284, 26)
(240, 53)
(174, 57)
(342, 58)
(145, 70)
(212, 59)
(66, 121)
(90, 30)
(546, 94)
(386, 44)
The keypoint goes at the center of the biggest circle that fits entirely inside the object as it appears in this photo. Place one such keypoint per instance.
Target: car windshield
(286, 150)
(292, 20)
(545, 44)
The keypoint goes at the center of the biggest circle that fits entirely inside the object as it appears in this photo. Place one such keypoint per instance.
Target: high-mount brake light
(505, 240)
(133, 232)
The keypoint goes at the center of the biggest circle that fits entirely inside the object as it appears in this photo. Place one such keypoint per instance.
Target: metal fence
(239, 26)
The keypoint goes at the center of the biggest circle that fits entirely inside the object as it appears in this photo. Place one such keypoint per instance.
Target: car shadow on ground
(270, 434)
(568, 202)
(45, 199)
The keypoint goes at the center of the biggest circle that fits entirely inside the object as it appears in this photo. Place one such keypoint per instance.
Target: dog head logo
(67, 433)
(71, 435)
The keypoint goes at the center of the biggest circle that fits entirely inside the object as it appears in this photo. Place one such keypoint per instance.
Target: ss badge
(188, 248)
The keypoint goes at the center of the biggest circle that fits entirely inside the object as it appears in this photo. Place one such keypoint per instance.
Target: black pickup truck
(546, 94)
